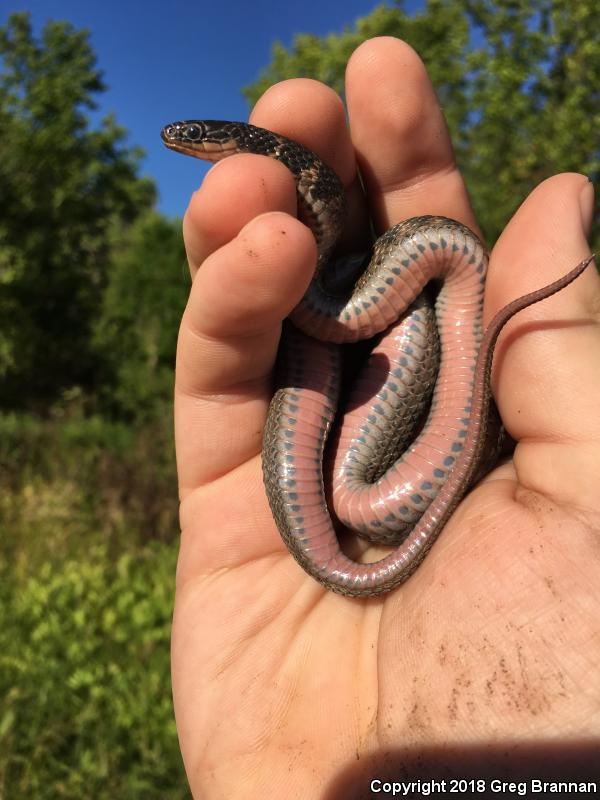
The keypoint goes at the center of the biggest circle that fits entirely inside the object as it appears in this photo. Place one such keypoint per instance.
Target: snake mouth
(178, 147)
(198, 151)
(196, 139)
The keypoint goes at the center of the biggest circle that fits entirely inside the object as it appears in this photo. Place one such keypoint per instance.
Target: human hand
(281, 687)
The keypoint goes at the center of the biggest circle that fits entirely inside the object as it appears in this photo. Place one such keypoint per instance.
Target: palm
(277, 682)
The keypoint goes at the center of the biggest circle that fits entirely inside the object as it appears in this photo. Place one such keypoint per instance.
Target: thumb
(546, 379)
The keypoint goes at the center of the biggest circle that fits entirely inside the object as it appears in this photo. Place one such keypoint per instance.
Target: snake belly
(409, 504)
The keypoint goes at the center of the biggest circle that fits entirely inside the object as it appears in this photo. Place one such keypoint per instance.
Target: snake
(427, 376)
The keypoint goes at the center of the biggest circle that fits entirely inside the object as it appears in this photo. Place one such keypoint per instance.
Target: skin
(282, 688)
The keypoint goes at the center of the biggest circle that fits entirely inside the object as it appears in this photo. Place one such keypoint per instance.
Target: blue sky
(164, 61)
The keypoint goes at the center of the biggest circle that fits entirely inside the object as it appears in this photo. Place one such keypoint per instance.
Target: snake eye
(193, 132)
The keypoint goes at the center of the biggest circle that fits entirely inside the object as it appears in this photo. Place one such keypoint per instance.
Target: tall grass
(88, 524)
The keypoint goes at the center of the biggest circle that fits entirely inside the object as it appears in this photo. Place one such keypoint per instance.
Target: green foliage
(92, 285)
(66, 476)
(63, 186)
(518, 81)
(534, 86)
(88, 514)
(91, 291)
(136, 331)
(85, 701)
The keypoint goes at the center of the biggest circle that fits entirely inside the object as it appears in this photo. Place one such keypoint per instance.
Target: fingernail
(586, 204)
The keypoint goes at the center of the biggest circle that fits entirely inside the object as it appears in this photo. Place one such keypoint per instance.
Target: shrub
(85, 698)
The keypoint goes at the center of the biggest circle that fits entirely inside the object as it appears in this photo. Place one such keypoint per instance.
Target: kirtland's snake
(384, 496)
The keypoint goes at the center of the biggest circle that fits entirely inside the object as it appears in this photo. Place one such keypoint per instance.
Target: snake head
(207, 139)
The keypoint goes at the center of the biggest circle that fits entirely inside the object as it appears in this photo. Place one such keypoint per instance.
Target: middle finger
(401, 139)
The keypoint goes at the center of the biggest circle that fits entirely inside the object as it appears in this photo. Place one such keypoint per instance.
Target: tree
(63, 187)
(136, 331)
(519, 81)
